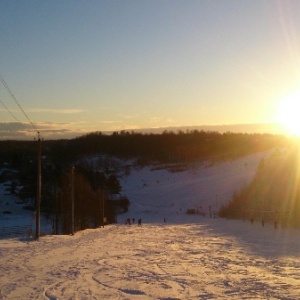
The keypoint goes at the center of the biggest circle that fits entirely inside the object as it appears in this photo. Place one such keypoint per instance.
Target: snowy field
(188, 257)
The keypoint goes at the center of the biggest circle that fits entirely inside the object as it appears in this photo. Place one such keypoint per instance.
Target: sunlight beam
(288, 113)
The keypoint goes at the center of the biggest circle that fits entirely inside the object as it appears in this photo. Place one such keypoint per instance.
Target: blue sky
(81, 66)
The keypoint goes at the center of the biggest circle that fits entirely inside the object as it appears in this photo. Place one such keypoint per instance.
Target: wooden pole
(39, 184)
(72, 197)
(103, 208)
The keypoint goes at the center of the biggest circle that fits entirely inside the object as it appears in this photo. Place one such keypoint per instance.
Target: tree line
(168, 146)
(171, 146)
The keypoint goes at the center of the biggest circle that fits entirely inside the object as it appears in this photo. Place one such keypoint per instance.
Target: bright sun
(289, 113)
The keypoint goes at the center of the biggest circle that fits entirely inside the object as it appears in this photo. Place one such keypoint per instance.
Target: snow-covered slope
(211, 259)
(156, 194)
(188, 257)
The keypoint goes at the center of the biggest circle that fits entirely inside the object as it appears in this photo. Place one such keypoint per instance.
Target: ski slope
(188, 257)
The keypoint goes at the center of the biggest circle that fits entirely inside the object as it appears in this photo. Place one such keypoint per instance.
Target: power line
(12, 114)
(38, 198)
(16, 101)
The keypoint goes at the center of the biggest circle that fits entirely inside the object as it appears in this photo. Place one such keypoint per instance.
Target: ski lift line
(16, 101)
(12, 114)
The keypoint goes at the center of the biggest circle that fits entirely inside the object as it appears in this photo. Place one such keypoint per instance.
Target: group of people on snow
(129, 221)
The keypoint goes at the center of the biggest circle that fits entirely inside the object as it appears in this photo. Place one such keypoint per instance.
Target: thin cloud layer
(57, 111)
(24, 131)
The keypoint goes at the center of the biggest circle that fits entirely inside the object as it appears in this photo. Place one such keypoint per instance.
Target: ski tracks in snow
(165, 262)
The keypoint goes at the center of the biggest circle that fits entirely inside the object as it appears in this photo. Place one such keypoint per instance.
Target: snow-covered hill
(157, 193)
(188, 257)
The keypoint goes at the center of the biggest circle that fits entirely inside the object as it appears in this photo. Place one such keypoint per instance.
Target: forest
(166, 147)
(62, 168)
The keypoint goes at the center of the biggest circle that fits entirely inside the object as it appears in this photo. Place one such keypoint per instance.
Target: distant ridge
(271, 128)
(13, 131)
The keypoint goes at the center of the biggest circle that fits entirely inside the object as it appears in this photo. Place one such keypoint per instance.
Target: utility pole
(72, 197)
(103, 217)
(39, 184)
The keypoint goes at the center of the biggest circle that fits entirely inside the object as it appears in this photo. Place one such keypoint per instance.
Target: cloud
(50, 110)
(13, 126)
(47, 130)
(131, 116)
(110, 122)
(161, 120)
(56, 111)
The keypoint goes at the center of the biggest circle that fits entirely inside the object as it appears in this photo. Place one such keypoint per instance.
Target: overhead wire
(17, 102)
(38, 199)
(8, 110)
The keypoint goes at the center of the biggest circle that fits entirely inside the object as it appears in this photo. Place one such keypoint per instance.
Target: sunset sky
(80, 66)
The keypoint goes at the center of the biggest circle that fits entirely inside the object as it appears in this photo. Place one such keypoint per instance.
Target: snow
(11, 203)
(158, 193)
(188, 257)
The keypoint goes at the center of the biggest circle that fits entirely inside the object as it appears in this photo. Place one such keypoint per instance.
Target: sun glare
(289, 113)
